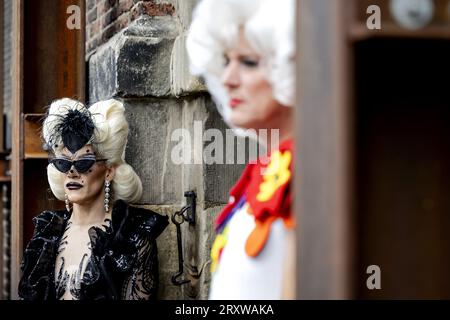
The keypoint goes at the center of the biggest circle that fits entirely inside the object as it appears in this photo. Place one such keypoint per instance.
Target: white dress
(241, 277)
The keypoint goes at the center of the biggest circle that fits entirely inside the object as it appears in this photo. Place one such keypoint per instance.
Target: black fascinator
(70, 124)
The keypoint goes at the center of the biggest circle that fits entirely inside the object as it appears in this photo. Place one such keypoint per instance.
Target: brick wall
(105, 18)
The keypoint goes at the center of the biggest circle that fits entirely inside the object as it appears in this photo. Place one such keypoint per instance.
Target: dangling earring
(107, 183)
(67, 202)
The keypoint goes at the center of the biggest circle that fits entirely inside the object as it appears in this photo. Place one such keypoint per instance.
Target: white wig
(109, 142)
(268, 27)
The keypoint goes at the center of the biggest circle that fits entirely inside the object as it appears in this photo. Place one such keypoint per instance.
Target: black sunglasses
(82, 165)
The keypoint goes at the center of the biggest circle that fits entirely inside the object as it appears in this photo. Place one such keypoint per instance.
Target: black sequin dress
(123, 262)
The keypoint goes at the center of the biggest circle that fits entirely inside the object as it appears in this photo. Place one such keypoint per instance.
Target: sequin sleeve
(142, 283)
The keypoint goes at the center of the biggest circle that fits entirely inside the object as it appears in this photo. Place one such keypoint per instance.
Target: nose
(72, 172)
(230, 75)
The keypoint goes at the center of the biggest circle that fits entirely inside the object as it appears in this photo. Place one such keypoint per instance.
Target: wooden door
(403, 174)
(48, 63)
(373, 147)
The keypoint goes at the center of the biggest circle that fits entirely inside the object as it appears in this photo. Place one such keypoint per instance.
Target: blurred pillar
(323, 152)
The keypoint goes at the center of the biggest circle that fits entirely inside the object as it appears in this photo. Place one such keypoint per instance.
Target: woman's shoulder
(138, 220)
(49, 215)
(39, 254)
(50, 221)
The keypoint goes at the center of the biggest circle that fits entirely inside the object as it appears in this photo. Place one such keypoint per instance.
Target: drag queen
(99, 247)
(245, 52)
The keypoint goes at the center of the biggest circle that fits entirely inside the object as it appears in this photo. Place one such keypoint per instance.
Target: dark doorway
(403, 166)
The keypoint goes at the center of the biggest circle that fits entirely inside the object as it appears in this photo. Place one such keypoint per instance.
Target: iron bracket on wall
(187, 213)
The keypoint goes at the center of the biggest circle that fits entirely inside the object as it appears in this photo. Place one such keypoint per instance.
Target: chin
(240, 125)
(240, 122)
(76, 200)
(74, 196)
(246, 125)
(246, 121)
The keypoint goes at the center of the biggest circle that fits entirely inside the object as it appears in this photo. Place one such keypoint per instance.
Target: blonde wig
(268, 26)
(109, 140)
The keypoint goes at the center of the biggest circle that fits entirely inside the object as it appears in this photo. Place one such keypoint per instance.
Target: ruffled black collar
(114, 252)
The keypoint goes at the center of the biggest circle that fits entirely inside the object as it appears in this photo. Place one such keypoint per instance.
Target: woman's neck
(272, 141)
(88, 213)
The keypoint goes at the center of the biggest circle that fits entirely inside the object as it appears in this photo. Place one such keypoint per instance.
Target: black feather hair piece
(75, 129)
